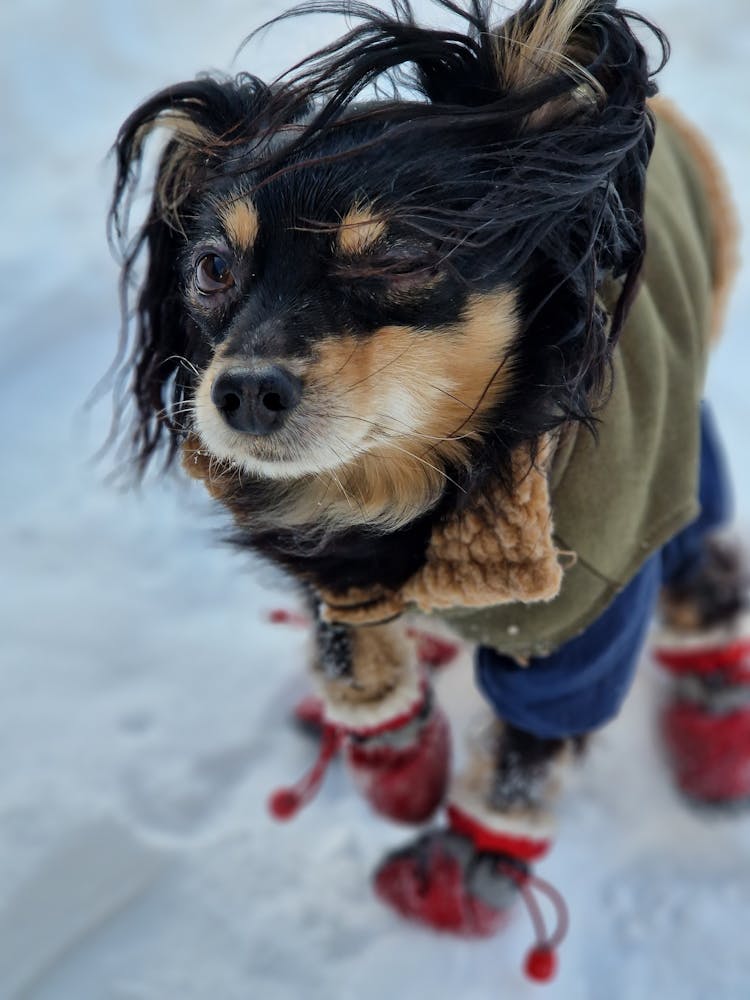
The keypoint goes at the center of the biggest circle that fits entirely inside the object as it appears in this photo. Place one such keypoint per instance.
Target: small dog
(415, 344)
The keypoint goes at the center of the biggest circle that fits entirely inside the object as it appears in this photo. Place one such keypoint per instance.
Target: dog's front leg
(464, 878)
(395, 738)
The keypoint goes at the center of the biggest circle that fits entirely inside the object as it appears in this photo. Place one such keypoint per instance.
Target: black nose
(256, 402)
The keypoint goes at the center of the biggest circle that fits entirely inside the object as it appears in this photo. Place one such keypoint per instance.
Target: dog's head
(390, 292)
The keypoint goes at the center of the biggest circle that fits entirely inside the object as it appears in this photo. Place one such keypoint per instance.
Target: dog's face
(330, 326)
(390, 296)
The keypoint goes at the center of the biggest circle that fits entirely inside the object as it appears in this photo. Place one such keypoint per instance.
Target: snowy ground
(143, 697)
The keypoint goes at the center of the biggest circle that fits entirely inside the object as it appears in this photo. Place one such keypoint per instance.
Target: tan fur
(725, 227)
(183, 128)
(179, 164)
(360, 230)
(527, 52)
(683, 615)
(497, 550)
(175, 178)
(382, 657)
(240, 222)
(395, 408)
(214, 474)
(472, 790)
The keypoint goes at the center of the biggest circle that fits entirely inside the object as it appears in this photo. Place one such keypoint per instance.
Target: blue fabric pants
(583, 683)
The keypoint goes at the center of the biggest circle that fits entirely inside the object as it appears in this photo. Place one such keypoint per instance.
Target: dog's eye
(213, 274)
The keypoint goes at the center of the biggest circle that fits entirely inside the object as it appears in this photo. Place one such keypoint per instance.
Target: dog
(429, 316)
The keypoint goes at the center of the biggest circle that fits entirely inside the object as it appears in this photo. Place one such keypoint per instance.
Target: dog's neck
(496, 546)
(382, 491)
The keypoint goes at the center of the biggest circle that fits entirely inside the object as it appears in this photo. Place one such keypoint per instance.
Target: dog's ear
(207, 122)
(551, 58)
(581, 80)
(547, 41)
(559, 93)
(602, 117)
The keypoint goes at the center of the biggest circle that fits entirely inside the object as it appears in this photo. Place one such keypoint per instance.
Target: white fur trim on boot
(674, 640)
(528, 823)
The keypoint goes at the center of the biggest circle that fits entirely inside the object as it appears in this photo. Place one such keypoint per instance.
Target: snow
(143, 695)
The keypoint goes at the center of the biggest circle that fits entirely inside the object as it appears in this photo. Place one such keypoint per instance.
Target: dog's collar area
(497, 550)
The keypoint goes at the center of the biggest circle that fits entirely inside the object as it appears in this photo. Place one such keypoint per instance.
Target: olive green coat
(617, 499)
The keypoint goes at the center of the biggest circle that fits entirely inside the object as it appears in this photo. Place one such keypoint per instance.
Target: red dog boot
(382, 714)
(402, 766)
(706, 721)
(465, 879)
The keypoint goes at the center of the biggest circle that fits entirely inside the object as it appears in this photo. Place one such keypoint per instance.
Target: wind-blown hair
(537, 138)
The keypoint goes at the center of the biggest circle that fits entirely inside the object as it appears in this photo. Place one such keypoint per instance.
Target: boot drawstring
(285, 803)
(541, 960)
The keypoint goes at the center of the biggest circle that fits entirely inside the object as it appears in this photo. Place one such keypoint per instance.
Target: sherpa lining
(497, 550)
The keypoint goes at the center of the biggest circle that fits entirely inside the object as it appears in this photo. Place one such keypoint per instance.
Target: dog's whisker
(417, 458)
(177, 410)
(328, 382)
(445, 392)
(378, 371)
(437, 438)
(424, 461)
(359, 501)
(482, 395)
(187, 363)
(171, 411)
(340, 485)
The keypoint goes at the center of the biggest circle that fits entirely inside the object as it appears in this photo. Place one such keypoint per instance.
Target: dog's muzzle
(256, 401)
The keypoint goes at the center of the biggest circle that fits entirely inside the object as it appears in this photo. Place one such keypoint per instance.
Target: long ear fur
(205, 119)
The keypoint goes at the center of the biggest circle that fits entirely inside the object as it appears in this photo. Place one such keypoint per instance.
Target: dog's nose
(256, 402)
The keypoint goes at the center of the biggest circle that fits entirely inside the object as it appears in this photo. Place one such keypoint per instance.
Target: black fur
(335, 650)
(481, 197)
